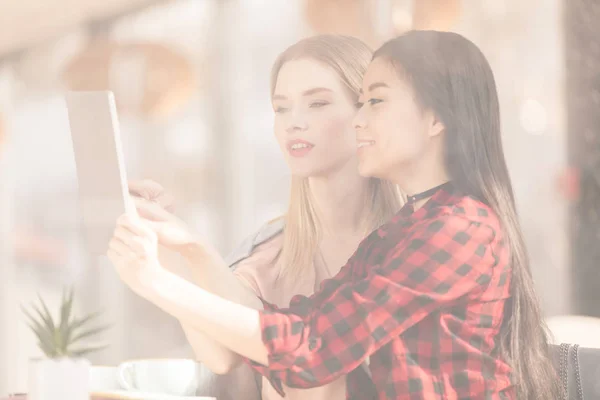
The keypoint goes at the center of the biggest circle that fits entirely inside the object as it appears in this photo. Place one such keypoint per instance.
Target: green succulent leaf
(88, 333)
(48, 350)
(44, 340)
(65, 314)
(38, 326)
(45, 315)
(78, 323)
(61, 344)
(88, 350)
(56, 339)
(42, 334)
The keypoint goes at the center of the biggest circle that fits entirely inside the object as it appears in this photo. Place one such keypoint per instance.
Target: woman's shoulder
(462, 214)
(254, 261)
(261, 247)
(477, 211)
(466, 208)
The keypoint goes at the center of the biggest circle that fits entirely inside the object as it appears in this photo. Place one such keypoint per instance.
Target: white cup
(178, 377)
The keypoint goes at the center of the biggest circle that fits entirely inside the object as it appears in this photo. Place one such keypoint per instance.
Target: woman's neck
(340, 201)
(420, 177)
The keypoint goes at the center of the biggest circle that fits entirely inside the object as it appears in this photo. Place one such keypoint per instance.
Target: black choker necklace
(428, 193)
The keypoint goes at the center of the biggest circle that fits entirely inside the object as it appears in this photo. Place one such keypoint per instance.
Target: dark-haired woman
(440, 299)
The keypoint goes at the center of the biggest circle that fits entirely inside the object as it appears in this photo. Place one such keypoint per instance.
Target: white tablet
(103, 191)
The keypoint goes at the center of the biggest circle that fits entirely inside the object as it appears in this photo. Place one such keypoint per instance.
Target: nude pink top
(260, 271)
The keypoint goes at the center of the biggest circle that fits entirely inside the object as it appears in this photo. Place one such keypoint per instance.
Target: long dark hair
(451, 77)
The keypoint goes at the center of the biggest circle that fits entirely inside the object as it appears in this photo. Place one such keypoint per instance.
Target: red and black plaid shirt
(422, 297)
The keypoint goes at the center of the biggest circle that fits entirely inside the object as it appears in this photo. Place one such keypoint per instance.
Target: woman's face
(393, 133)
(313, 118)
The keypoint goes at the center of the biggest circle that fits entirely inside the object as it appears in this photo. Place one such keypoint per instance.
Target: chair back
(578, 369)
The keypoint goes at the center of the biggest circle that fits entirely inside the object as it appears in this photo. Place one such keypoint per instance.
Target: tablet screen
(101, 175)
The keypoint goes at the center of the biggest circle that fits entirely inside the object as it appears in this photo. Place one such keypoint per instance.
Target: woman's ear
(436, 127)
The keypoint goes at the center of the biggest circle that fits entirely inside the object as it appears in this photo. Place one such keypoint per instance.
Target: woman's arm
(219, 280)
(151, 202)
(345, 322)
(216, 277)
(209, 352)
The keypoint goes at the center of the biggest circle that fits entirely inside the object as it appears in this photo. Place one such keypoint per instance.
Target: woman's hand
(153, 204)
(133, 250)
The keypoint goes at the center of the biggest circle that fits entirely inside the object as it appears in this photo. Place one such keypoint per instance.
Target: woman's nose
(297, 123)
(360, 120)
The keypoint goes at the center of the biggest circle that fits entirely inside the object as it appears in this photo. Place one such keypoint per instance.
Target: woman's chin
(306, 170)
(301, 172)
(365, 171)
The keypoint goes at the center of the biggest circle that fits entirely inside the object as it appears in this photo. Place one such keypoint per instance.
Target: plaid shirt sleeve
(440, 261)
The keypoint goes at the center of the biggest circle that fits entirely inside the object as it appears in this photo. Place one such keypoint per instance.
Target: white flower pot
(64, 379)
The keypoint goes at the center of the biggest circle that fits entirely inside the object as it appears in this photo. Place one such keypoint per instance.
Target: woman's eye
(280, 110)
(318, 104)
(374, 101)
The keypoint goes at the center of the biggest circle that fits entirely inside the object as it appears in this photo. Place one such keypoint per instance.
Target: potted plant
(64, 373)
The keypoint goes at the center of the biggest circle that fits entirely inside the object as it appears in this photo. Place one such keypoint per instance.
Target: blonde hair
(349, 58)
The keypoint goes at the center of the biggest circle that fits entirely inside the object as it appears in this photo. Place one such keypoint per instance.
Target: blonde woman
(315, 85)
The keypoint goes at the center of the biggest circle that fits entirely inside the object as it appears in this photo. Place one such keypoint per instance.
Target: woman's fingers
(119, 248)
(113, 256)
(136, 226)
(145, 188)
(134, 242)
(144, 234)
(166, 201)
(152, 191)
(150, 210)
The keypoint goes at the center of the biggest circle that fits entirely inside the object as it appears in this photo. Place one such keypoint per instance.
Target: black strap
(428, 193)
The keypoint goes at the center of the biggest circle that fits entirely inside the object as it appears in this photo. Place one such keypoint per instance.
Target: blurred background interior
(191, 78)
